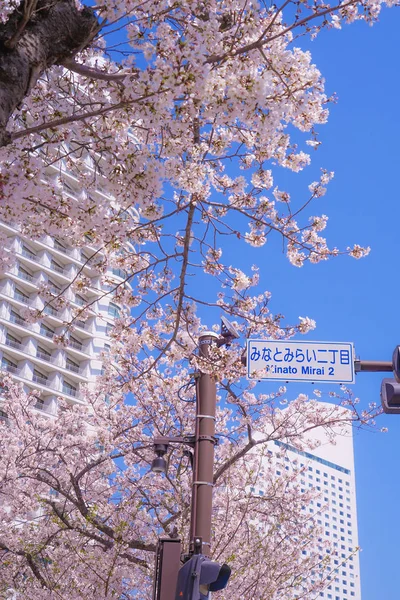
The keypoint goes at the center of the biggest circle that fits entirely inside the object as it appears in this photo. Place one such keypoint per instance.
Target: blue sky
(357, 300)
(352, 301)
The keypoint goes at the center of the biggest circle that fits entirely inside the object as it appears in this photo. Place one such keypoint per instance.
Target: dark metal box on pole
(167, 566)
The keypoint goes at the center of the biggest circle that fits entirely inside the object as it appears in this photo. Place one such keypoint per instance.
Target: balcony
(54, 290)
(59, 247)
(26, 276)
(80, 301)
(39, 379)
(21, 298)
(73, 368)
(13, 344)
(58, 269)
(17, 320)
(75, 345)
(28, 254)
(46, 332)
(43, 355)
(9, 368)
(49, 310)
(69, 391)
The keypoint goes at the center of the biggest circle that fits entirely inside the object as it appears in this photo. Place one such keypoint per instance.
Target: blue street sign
(282, 360)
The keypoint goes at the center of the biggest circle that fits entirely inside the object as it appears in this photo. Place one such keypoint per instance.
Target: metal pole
(203, 471)
(373, 366)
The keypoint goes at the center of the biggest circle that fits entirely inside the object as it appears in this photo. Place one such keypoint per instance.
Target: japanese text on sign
(297, 361)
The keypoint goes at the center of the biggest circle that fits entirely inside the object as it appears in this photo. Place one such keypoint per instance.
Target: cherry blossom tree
(175, 119)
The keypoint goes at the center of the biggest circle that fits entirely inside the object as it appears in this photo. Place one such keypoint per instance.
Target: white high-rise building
(29, 351)
(329, 470)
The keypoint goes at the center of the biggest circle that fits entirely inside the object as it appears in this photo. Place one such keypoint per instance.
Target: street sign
(282, 360)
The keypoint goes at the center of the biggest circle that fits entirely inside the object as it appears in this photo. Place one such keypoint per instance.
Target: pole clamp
(203, 483)
(208, 438)
(205, 417)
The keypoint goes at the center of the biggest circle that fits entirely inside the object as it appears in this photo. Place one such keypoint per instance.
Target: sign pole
(203, 464)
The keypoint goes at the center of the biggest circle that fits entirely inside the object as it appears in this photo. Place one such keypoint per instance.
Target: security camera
(228, 330)
(159, 464)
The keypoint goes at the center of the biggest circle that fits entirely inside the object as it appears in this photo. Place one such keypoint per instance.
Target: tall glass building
(329, 470)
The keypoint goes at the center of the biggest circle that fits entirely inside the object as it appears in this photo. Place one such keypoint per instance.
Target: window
(113, 310)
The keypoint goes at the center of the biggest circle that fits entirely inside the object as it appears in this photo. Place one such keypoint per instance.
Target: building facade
(31, 351)
(329, 470)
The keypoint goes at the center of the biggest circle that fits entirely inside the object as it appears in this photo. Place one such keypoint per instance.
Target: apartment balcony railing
(69, 391)
(59, 247)
(40, 379)
(28, 254)
(75, 345)
(73, 368)
(57, 268)
(42, 262)
(54, 290)
(25, 276)
(9, 368)
(65, 389)
(43, 355)
(13, 344)
(21, 298)
(17, 320)
(45, 332)
(49, 310)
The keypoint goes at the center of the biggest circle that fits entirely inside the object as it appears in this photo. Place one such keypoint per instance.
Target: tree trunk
(39, 34)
